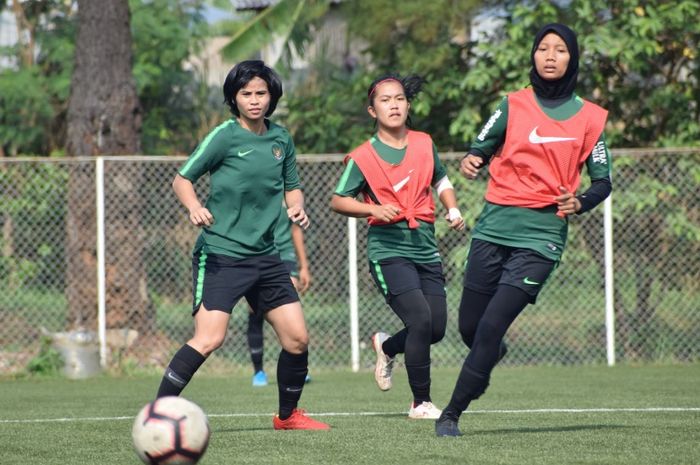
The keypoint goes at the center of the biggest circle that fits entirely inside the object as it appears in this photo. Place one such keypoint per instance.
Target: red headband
(381, 82)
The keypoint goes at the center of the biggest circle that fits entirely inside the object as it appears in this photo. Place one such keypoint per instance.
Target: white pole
(101, 287)
(609, 271)
(354, 315)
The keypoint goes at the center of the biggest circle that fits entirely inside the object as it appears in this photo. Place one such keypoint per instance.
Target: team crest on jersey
(277, 151)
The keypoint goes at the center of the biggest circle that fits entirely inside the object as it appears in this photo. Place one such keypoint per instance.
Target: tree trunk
(104, 118)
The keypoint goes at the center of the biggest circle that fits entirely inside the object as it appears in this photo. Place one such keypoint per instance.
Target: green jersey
(248, 176)
(393, 240)
(538, 229)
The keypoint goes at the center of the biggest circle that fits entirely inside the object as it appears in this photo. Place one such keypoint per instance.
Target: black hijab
(564, 86)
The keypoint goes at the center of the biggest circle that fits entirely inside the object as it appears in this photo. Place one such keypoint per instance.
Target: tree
(286, 21)
(104, 118)
(35, 82)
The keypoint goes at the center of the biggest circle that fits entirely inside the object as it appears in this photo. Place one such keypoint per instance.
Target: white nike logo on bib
(535, 138)
(403, 182)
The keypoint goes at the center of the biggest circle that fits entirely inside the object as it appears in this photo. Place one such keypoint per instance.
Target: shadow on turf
(560, 429)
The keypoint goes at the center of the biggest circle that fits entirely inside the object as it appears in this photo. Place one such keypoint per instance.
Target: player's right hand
(470, 166)
(200, 216)
(385, 212)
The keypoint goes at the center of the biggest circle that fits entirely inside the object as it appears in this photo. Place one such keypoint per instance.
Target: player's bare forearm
(299, 248)
(295, 208)
(454, 216)
(352, 207)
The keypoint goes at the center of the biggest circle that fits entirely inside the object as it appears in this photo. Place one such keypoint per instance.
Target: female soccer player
(395, 171)
(543, 136)
(252, 165)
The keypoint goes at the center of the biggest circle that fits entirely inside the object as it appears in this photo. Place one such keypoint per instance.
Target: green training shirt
(537, 229)
(393, 240)
(249, 174)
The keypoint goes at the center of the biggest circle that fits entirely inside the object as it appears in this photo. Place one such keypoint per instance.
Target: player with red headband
(395, 172)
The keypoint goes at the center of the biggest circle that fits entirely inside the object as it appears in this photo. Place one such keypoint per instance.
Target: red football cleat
(299, 420)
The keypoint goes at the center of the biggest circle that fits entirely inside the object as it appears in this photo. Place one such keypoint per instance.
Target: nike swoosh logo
(403, 182)
(535, 138)
(177, 381)
(243, 154)
(527, 281)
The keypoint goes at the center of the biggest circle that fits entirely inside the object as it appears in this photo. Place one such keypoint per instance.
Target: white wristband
(454, 213)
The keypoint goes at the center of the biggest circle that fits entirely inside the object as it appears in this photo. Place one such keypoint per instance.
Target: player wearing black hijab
(543, 135)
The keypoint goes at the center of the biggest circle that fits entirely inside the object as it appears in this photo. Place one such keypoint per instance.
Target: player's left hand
(304, 280)
(297, 215)
(567, 202)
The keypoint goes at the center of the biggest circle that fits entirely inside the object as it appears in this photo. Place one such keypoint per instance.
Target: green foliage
(48, 361)
(34, 92)
(175, 102)
(286, 21)
(628, 49)
(33, 206)
(336, 99)
(177, 105)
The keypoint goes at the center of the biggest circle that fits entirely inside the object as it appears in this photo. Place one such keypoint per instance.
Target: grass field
(530, 415)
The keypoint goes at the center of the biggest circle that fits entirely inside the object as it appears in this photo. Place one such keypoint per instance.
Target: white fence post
(609, 290)
(353, 289)
(101, 289)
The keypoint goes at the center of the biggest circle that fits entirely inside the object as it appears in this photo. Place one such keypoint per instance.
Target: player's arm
(184, 190)
(294, 199)
(446, 193)
(344, 201)
(487, 142)
(302, 260)
(206, 157)
(599, 167)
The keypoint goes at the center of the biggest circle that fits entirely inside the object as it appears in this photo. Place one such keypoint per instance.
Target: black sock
(396, 344)
(419, 381)
(470, 385)
(180, 371)
(291, 375)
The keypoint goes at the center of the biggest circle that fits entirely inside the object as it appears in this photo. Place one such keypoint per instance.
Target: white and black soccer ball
(171, 430)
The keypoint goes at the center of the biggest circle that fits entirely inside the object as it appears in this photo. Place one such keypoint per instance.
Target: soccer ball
(171, 430)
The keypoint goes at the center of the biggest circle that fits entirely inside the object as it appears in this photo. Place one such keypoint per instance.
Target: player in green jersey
(395, 172)
(251, 163)
(289, 240)
(536, 142)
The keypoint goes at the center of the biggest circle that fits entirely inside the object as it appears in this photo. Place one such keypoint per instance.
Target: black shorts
(219, 282)
(489, 265)
(291, 267)
(395, 276)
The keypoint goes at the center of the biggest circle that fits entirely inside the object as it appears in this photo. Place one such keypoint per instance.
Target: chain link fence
(49, 266)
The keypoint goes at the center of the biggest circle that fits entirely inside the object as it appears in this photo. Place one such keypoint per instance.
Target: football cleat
(385, 364)
(425, 410)
(299, 420)
(260, 379)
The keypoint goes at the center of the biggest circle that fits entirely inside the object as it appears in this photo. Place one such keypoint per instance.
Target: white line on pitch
(371, 414)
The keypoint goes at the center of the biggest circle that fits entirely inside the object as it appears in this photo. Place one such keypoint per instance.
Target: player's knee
(422, 327)
(467, 332)
(437, 335)
(297, 344)
(438, 331)
(209, 343)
